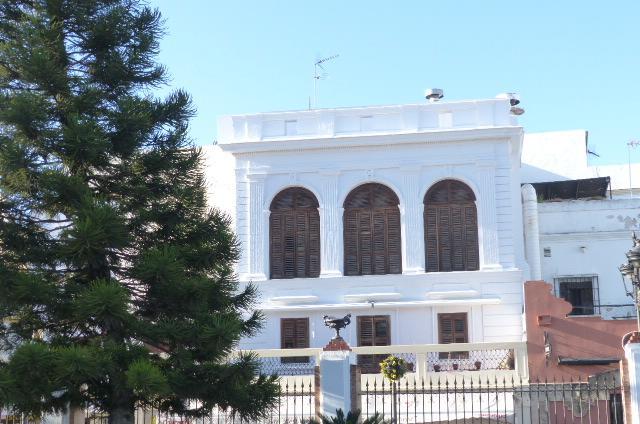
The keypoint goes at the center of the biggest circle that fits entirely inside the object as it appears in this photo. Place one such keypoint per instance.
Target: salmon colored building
(562, 346)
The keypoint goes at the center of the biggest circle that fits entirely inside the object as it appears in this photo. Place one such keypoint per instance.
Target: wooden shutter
(351, 263)
(452, 328)
(313, 248)
(374, 330)
(471, 238)
(276, 247)
(431, 238)
(294, 334)
(294, 235)
(372, 241)
(451, 228)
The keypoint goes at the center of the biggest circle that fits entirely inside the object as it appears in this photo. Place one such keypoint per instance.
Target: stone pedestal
(335, 377)
(632, 356)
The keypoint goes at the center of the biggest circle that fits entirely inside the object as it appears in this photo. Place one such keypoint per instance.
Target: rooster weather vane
(337, 323)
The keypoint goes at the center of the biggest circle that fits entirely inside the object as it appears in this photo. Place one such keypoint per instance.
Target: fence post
(520, 361)
(632, 355)
(335, 377)
(421, 365)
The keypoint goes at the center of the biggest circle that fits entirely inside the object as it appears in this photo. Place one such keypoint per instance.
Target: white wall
(590, 237)
(562, 155)
(408, 148)
(220, 177)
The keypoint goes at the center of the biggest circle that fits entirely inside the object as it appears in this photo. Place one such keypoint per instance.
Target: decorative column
(531, 230)
(412, 227)
(335, 377)
(330, 226)
(258, 235)
(488, 215)
(242, 221)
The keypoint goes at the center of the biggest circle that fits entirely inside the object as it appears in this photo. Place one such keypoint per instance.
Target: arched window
(294, 234)
(372, 231)
(450, 227)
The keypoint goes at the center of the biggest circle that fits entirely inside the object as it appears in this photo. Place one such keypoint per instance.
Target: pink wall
(577, 337)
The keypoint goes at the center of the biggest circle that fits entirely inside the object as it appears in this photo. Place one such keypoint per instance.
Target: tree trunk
(121, 416)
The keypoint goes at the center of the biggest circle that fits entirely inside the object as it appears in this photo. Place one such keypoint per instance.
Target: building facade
(408, 217)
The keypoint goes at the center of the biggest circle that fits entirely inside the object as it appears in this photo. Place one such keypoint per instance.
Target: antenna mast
(319, 65)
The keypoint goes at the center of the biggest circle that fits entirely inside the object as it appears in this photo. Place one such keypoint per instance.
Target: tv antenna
(631, 144)
(319, 65)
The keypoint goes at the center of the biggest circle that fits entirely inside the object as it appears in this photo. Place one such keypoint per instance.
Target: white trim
(343, 141)
(367, 305)
(589, 236)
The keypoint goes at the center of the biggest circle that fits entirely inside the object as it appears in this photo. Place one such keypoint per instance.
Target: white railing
(484, 360)
(478, 361)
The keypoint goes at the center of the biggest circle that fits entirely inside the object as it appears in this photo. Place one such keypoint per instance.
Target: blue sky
(575, 64)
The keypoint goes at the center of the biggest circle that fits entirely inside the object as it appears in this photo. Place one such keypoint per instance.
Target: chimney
(433, 94)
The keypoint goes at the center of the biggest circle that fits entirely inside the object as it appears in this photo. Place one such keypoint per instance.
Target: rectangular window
(294, 334)
(452, 328)
(581, 291)
(366, 123)
(291, 127)
(373, 330)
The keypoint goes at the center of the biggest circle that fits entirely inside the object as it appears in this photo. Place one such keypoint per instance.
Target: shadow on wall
(533, 174)
(552, 334)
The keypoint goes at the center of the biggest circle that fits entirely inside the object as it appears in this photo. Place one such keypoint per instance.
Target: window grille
(581, 291)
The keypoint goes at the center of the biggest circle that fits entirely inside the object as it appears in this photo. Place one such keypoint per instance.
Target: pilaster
(242, 221)
(330, 226)
(488, 219)
(412, 227)
(258, 219)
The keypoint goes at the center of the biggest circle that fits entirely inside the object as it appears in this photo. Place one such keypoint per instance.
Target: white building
(397, 279)
(584, 230)
(366, 182)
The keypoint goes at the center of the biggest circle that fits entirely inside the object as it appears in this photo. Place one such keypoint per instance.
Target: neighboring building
(407, 217)
(586, 215)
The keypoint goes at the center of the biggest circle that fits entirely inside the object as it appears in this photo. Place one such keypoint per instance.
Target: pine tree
(116, 281)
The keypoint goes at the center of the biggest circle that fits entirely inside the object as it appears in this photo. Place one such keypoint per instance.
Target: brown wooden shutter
(431, 238)
(444, 238)
(452, 328)
(314, 243)
(294, 235)
(471, 238)
(294, 334)
(451, 228)
(351, 263)
(394, 245)
(374, 330)
(372, 241)
(275, 245)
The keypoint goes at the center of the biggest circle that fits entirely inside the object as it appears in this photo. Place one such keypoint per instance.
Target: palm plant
(351, 418)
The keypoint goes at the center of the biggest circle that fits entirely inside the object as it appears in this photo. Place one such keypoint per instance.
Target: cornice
(341, 142)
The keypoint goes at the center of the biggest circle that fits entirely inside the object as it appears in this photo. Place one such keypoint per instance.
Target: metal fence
(296, 404)
(474, 401)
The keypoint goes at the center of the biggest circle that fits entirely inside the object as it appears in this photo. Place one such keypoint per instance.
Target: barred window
(450, 228)
(579, 290)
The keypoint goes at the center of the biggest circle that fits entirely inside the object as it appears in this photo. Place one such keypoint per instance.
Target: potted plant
(455, 366)
(437, 367)
(394, 368)
(477, 364)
